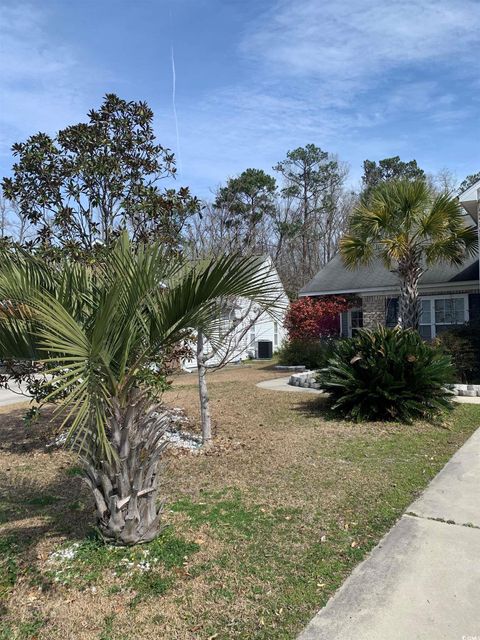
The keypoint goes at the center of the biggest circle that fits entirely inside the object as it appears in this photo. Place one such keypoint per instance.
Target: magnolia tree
(78, 190)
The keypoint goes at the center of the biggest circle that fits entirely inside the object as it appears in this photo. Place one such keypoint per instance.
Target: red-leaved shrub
(313, 318)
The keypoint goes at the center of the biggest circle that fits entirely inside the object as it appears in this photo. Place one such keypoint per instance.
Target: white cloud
(351, 41)
(338, 73)
(25, 53)
(43, 85)
(242, 127)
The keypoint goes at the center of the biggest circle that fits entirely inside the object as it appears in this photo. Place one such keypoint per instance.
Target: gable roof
(336, 278)
(469, 199)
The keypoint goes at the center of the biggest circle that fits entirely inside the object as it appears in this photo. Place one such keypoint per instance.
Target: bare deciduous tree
(300, 225)
(228, 341)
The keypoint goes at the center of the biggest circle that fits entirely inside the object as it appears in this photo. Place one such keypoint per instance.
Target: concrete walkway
(13, 396)
(422, 581)
(281, 384)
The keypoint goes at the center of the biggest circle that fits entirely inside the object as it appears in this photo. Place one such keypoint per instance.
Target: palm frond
(95, 329)
(435, 223)
(356, 251)
(404, 221)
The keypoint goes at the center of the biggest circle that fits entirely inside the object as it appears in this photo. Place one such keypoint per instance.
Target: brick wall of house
(373, 311)
(375, 307)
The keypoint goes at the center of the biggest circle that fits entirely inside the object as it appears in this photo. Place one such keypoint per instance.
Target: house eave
(465, 285)
(470, 199)
(471, 206)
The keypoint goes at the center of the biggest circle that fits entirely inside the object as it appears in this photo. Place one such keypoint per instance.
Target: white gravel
(175, 435)
(68, 553)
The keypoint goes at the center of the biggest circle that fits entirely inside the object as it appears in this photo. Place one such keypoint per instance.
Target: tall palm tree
(99, 333)
(409, 227)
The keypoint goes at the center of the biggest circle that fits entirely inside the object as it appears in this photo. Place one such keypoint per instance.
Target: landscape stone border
(307, 380)
(470, 390)
(296, 367)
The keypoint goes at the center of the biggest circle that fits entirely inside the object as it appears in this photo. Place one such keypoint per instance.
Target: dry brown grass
(281, 508)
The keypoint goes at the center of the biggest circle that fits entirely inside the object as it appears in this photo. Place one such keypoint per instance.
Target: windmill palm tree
(99, 332)
(409, 227)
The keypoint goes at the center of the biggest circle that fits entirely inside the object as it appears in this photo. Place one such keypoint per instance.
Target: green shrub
(311, 353)
(387, 374)
(462, 344)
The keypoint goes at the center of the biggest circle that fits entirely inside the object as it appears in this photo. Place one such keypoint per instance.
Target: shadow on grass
(63, 504)
(19, 436)
(317, 406)
(320, 407)
(268, 365)
(41, 495)
(24, 495)
(32, 512)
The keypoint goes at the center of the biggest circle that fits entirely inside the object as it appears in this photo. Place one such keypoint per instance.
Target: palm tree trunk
(410, 273)
(205, 417)
(125, 488)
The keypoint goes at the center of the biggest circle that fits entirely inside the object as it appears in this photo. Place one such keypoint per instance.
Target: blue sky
(254, 78)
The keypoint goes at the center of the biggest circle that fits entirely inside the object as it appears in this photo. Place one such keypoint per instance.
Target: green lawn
(260, 530)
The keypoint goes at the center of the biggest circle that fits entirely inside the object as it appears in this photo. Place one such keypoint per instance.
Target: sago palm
(409, 227)
(99, 332)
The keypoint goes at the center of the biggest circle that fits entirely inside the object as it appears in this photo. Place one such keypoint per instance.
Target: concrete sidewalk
(422, 581)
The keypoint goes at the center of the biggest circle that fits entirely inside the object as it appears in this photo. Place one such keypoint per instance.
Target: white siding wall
(266, 328)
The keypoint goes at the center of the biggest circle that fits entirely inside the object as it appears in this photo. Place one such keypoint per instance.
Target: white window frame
(275, 333)
(432, 324)
(349, 320)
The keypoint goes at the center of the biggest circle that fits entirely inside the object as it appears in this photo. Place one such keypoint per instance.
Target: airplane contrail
(174, 89)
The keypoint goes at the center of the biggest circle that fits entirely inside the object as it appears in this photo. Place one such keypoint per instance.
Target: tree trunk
(409, 303)
(125, 488)
(305, 277)
(203, 391)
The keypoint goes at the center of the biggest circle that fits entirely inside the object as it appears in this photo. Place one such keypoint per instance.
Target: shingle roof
(335, 278)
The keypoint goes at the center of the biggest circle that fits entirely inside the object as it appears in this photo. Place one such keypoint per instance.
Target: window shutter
(344, 331)
(391, 312)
